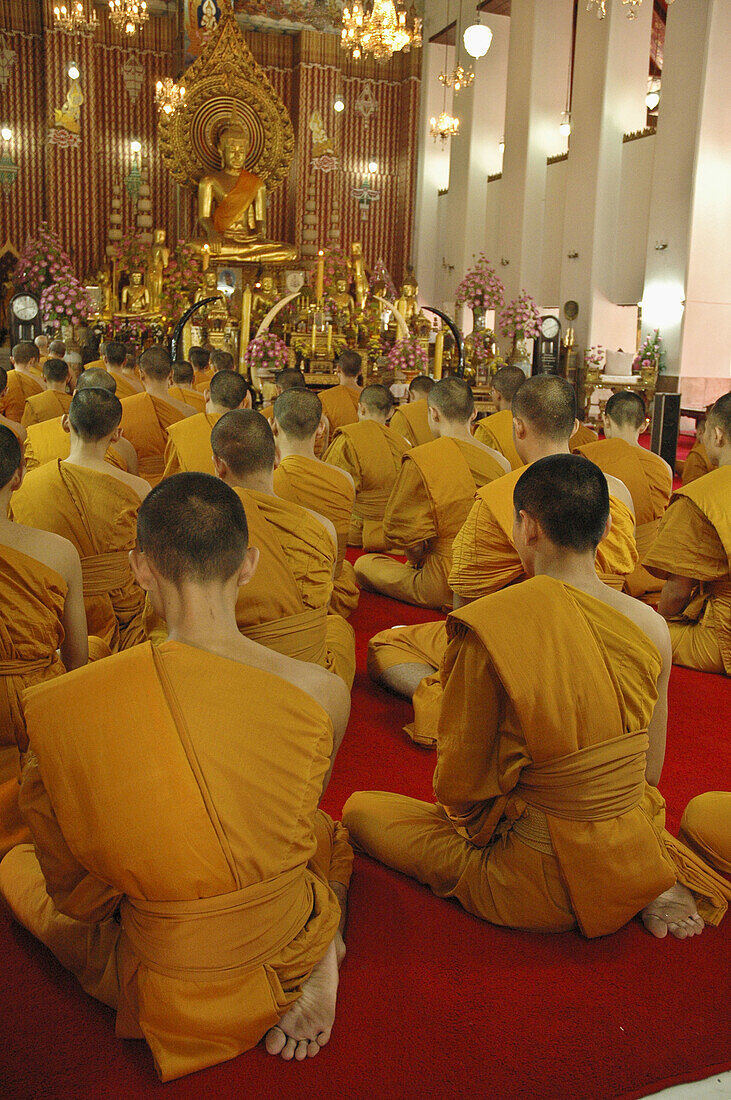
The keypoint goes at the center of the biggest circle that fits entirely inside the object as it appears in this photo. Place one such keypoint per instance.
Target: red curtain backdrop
(71, 188)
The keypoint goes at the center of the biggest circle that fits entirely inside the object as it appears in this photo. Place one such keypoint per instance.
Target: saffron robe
(340, 406)
(222, 921)
(326, 490)
(429, 503)
(33, 597)
(496, 431)
(98, 514)
(694, 541)
(371, 453)
(190, 397)
(188, 444)
(48, 442)
(202, 379)
(544, 820)
(706, 828)
(581, 437)
(412, 422)
(484, 560)
(145, 420)
(239, 199)
(20, 387)
(650, 484)
(48, 405)
(696, 464)
(125, 387)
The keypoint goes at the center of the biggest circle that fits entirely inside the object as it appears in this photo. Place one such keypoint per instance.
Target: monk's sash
(303, 636)
(371, 503)
(449, 484)
(102, 573)
(559, 678)
(218, 937)
(239, 198)
(26, 668)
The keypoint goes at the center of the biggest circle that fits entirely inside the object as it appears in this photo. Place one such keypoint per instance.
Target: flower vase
(478, 319)
(519, 356)
(67, 332)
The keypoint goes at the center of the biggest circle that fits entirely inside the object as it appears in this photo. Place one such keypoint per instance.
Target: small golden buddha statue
(408, 302)
(232, 206)
(216, 313)
(158, 258)
(360, 279)
(136, 297)
(266, 295)
(343, 300)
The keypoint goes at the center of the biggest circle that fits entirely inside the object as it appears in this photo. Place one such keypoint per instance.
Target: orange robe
(125, 387)
(696, 464)
(98, 514)
(222, 920)
(202, 379)
(581, 437)
(20, 387)
(190, 397)
(145, 420)
(412, 422)
(429, 503)
(496, 431)
(650, 484)
(706, 828)
(484, 560)
(326, 490)
(694, 541)
(371, 453)
(188, 444)
(33, 598)
(48, 405)
(544, 820)
(340, 406)
(48, 442)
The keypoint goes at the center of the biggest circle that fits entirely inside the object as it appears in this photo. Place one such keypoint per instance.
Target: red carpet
(433, 1003)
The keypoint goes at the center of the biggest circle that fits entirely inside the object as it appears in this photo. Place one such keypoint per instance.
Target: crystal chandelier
(381, 31)
(443, 127)
(168, 95)
(73, 19)
(460, 78)
(128, 16)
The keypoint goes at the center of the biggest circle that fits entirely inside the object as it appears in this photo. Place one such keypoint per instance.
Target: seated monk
(207, 937)
(485, 557)
(199, 358)
(147, 416)
(430, 501)
(41, 342)
(219, 360)
(289, 378)
(371, 453)
(94, 505)
(183, 388)
(24, 381)
(697, 463)
(647, 476)
(551, 744)
(706, 828)
(49, 441)
(189, 441)
(412, 420)
(496, 431)
(54, 401)
(243, 457)
(340, 403)
(693, 551)
(117, 362)
(17, 429)
(300, 477)
(43, 627)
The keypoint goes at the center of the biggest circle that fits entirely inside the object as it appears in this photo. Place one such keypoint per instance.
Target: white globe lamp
(477, 39)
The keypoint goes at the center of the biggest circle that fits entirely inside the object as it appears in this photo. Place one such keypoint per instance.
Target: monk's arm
(657, 729)
(340, 453)
(129, 454)
(75, 645)
(675, 595)
(408, 520)
(336, 701)
(172, 462)
(687, 551)
(74, 891)
(619, 490)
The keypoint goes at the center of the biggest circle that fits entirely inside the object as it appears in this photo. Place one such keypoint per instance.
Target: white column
(610, 83)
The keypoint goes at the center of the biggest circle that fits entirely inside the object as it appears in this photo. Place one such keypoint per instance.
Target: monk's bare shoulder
(619, 491)
(327, 689)
(125, 449)
(644, 617)
(50, 549)
(345, 474)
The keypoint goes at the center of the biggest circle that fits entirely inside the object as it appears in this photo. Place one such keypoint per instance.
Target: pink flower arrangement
(482, 343)
(267, 353)
(651, 354)
(336, 268)
(42, 261)
(181, 277)
(130, 251)
(594, 357)
(521, 318)
(407, 355)
(481, 287)
(65, 301)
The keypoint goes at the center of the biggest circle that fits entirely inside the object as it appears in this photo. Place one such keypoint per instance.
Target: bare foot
(675, 912)
(306, 1027)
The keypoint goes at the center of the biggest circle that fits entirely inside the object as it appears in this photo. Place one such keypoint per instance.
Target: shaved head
(349, 363)
(199, 357)
(289, 378)
(115, 353)
(25, 352)
(193, 528)
(626, 409)
(244, 441)
(377, 399)
(155, 363)
(568, 496)
(96, 378)
(94, 414)
(453, 398)
(228, 389)
(548, 404)
(55, 370)
(183, 372)
(298, 413)
(507, 381)
(10, 455)
(421, 386)
(221, 360)
(719, 415)
(57, 348)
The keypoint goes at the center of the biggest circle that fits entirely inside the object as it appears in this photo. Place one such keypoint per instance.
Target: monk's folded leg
(340, 649)
(695, 645)
(706, 828)
(355, 531)
(89, 951)
(507, 884)
(423, 644)
(346, 593)
(333, 858)
(424, 587)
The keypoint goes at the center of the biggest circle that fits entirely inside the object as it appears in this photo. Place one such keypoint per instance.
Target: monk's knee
(358, 813)
(363, 572)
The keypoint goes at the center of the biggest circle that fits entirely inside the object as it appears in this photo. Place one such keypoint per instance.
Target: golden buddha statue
(232, 206)
(136, 297)
(343, 301)
(216, 313)
(408, 303)
(265, 297)
(158, 258)
(360, 279)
